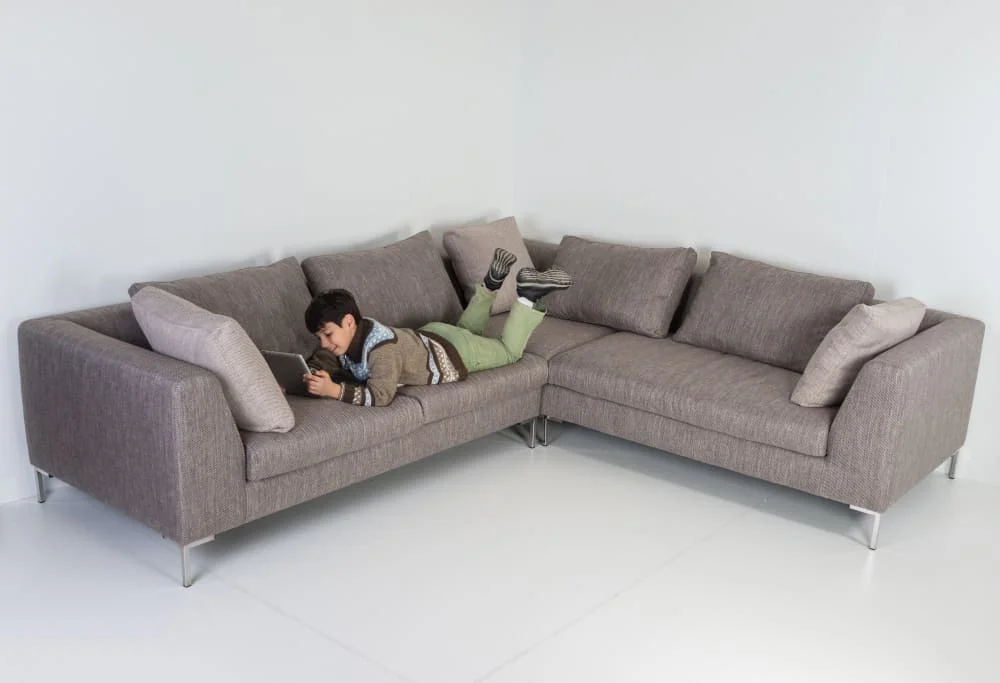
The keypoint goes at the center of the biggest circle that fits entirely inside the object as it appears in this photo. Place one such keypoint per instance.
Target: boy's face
(337, 338)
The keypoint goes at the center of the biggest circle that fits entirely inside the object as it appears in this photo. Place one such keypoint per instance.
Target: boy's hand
(320, 384)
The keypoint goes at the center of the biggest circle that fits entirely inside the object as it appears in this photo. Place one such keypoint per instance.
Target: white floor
(591, 560)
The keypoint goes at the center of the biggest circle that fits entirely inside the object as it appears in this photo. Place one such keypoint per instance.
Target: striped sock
(499, 269)
(533, 285)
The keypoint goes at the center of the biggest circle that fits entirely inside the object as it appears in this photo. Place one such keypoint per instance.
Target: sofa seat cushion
(707, 389)
(553, 336)
(325, 429)
(479, 389)
(267, 301)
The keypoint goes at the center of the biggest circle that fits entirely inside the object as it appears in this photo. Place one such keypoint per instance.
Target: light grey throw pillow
(471, 251)
(633, 289)
(179, 329)
(865, 332)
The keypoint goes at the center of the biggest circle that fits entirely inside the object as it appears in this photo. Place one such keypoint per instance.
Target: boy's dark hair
(330, 307)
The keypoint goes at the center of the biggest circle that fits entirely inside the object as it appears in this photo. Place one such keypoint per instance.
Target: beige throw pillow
(471, 251)
(179, 329)
(865, 332)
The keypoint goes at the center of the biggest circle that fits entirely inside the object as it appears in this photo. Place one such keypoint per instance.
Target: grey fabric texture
(276, 493)
(761, 312)
(828, 477)
(325, 429)
(179, 329)
(932, 317)
(115, 321)
(543, 254)
(404, 284)
(728, 394)
(269, 302)
(471, 252)
(865, 332)
(553, 336)
(908, 410)
(147, 434)
(634, 289)
(479, 389)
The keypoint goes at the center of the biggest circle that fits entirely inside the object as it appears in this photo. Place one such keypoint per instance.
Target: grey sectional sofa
(154, 437)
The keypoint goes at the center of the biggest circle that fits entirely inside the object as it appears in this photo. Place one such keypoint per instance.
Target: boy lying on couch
(372, 360)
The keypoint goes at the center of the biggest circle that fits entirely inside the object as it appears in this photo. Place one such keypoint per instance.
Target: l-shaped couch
(155, 438)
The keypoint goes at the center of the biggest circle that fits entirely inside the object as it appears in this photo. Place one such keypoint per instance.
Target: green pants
(482, 353)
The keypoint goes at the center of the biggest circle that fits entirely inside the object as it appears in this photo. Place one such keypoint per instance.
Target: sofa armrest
(148, 434)
(908, 411)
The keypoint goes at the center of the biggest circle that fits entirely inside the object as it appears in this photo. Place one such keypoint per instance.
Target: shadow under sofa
(154, 437)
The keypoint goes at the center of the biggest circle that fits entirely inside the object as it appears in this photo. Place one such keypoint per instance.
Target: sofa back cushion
(765, 313)
(177, 328)
(404, 284)
(633, 289)
(269, 302)
(543, 254)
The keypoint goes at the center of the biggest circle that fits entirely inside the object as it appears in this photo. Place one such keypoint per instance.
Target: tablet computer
(288, 369)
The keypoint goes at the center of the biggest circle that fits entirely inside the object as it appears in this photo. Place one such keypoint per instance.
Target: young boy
(374, 359)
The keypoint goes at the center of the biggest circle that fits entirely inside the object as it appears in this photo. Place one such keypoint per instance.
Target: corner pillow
(865, 332)
(471, 251)
(181, 330)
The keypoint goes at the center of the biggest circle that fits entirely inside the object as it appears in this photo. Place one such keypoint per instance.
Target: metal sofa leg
(527, 433)
(877, 521)
(40, 488)
(186, 580)
(545, 430)
(954, 463)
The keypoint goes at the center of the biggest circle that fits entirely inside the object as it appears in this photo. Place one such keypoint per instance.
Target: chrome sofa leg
(954, 463)
(527, 433)
(545, 430)
(876, 522)
(40, 478)
(186, 580)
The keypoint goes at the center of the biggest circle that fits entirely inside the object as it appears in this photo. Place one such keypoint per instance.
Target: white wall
(155, 139)
(856, 138)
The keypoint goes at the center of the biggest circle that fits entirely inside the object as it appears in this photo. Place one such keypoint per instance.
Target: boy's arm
(385, 365)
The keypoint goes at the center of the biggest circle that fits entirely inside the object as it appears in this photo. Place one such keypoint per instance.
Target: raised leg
(876, 522)
(477, 313)
(40, 478)
(186, 580)
(954, 463)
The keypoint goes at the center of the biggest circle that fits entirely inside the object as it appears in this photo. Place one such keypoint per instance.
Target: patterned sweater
(381, 359)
